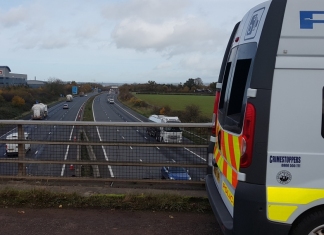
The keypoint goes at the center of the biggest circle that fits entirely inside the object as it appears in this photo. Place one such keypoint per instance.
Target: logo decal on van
(308, 18)
(228, 193)
(254, 24)
(284, 177)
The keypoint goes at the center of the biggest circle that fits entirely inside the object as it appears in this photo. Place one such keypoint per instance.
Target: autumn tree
(17, 101)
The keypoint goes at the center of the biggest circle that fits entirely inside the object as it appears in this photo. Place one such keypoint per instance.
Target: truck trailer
(167, 134)
(69, 98)
(39, 111)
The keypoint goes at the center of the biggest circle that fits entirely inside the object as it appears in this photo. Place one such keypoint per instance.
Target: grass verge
(87, 114)
(40, 198)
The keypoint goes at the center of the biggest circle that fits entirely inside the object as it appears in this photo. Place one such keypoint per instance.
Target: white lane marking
(157, 147)
(130, 147)
(49, 133)
(8, 132)
(145, 137)
(137, 130)
(4, 154)
(129, 113)
(36, 152)
(195, 154)
(103, 149)
(123, 137)
(68, 147)
(140, 160)
(173, 160)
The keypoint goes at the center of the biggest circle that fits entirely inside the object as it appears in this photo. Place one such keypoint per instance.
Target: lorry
(69, 98)
(165, 134)
(12, 148)
(266, 149)
(81, 94)
(39, 111)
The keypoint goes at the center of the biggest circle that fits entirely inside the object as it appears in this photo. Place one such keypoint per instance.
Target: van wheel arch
(310, 221)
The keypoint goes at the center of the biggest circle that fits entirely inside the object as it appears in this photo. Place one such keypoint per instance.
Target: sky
(118, 41)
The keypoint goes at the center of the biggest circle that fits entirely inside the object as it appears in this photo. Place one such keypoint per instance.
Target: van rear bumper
(223, 217)
(249, 211)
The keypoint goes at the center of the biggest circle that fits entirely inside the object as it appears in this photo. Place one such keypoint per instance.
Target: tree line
(15, 100)
(190, 86)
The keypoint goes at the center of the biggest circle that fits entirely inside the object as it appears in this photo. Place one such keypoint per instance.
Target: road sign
(74, 90)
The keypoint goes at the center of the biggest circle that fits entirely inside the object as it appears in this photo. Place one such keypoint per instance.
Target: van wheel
(311, 224)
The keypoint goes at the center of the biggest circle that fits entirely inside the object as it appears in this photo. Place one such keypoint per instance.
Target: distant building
(11, 79)
(35, 83)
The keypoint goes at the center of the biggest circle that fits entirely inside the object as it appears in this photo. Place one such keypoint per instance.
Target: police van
(266, 153)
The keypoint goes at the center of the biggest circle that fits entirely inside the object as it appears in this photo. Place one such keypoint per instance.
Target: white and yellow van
(266, 154)
(12, 148)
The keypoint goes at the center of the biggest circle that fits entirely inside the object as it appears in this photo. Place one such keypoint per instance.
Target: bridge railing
(104, 151)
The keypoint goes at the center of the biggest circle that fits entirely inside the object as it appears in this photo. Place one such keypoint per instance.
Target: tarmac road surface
(26, 221)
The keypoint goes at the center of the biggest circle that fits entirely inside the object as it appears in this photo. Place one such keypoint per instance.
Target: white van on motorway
(267, 147)
(12, 148)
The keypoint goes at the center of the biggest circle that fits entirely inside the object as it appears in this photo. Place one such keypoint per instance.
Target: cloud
(199, 62)
(169, 27)
(171, 37)
(153, 10)
(53, 43)
(164, 65)
(14, 16)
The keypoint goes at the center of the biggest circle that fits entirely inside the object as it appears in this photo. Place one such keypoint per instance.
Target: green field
(179, 102)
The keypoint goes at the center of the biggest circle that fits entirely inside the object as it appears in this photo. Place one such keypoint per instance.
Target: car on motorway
(175, 173)
(111, 101)
(85, 95)
(65, 106)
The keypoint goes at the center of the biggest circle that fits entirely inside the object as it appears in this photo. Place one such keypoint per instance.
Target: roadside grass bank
(179, 102)
(27, 114)
(39, 198)
(186, 107)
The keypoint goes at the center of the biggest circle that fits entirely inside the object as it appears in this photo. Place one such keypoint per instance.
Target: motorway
(103, 111)
(117, 112)
(48, 133)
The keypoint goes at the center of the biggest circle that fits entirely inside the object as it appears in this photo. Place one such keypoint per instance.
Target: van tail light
(214, 119)
(248, 136)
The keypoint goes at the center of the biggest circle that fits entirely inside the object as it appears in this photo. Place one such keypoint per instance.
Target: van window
(232, 115)
(227, 70)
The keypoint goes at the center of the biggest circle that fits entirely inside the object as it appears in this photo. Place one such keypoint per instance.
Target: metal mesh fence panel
(104, 150)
